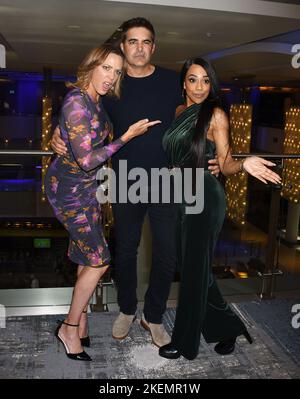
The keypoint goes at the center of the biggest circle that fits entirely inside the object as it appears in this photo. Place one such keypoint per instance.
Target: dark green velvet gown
(201, 308)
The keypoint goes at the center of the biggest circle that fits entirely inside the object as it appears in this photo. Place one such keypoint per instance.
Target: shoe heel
(85, 341)
(64, 344)
(248, 337)
(75, 356)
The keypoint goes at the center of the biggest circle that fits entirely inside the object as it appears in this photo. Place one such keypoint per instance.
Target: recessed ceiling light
(173, 33)
(73, 27)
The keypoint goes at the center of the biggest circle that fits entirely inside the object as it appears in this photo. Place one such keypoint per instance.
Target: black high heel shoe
(85, 341)
(169, 351)
(227, 346)
(75, 356)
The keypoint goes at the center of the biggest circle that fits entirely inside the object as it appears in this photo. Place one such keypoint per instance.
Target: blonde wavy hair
(96, 57)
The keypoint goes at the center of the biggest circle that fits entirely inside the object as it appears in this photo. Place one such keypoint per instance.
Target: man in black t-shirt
(152, 92)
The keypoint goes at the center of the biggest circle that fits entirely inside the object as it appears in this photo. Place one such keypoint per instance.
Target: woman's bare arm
(256, 166)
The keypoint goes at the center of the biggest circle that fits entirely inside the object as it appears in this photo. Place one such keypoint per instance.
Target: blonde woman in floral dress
(71, 182)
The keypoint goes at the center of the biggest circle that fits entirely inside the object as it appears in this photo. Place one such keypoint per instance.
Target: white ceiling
(58, 33)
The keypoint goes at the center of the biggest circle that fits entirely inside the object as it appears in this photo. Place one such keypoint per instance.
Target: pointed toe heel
(83, 356)
(80, 356)
(227, 346)
(169, 351)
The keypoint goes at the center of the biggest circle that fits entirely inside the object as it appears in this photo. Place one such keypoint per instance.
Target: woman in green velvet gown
(200, 130)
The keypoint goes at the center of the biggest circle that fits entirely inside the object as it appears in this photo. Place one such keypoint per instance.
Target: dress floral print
(71, 180)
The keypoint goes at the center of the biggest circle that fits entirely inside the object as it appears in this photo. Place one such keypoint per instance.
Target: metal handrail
(269, 156)
(50, 152)
(26, 152)
(268, 278)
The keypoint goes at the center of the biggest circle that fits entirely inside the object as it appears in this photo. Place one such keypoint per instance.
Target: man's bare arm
(57, 144)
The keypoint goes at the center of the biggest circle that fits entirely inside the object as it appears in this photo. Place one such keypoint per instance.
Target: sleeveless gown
(201, 308)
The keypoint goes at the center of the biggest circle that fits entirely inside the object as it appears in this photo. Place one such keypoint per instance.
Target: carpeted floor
(30, 350)
(275, 318)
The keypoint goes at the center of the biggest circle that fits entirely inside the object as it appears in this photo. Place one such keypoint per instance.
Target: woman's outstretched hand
(258, 167)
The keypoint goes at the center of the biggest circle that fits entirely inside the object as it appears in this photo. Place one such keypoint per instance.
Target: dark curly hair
(138, 22)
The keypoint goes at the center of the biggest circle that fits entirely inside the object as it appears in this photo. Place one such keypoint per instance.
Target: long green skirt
(201, 308)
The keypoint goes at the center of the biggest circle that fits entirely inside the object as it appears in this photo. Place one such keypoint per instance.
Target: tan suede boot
(159, 335)
(122, 325)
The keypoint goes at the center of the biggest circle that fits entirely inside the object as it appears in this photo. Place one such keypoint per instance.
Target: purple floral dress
(71, 180)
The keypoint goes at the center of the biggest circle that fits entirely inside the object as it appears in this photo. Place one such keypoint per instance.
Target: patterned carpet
(29, 350)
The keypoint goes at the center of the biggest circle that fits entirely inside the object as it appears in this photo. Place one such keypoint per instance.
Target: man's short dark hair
(138, 22)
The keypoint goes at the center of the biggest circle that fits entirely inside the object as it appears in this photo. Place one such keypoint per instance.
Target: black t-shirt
(154, 97)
